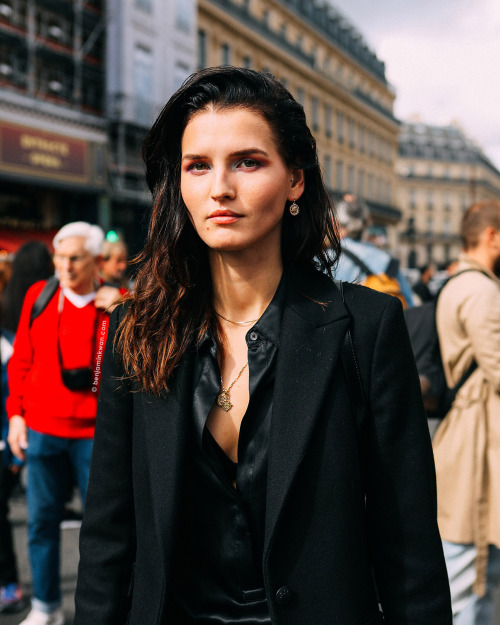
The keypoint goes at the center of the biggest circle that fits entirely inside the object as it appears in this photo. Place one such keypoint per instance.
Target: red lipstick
(223, 217)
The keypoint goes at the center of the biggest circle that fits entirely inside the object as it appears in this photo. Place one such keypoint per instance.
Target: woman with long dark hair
(237, 477)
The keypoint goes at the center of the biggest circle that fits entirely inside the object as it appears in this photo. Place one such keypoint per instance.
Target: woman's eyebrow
(245, 152)
(194, 157)
(249, 151)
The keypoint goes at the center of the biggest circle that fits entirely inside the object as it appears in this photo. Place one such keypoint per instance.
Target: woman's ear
(296, 184)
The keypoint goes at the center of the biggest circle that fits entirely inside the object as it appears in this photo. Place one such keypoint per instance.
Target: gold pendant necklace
(223, 399)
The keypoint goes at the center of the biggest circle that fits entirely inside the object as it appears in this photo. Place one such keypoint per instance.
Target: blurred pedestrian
(54, 375)
(421, 288)
(466, 448)
(113, 263)
(361, 261)
(11, 593)
(32, 263)
(230, 471)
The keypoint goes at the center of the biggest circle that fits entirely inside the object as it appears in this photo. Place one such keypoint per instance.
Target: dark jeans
(8, 567)
(47, 489)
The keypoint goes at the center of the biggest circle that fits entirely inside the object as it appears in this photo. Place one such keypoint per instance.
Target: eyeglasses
(73, 260)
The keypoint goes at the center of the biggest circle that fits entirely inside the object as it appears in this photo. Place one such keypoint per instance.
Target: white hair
(353, 214)
(93, 235)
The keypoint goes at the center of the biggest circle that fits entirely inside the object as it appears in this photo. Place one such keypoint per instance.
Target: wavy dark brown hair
(171, 305)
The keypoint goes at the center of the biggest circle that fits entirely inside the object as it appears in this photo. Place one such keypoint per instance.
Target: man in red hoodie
(54, 380)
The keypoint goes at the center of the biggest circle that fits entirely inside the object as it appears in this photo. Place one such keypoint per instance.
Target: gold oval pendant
(224, 402)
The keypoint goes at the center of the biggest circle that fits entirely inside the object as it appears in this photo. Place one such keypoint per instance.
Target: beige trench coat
(467, 443)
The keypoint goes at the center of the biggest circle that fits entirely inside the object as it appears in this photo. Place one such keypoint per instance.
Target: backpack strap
(451, 393)
(357, 261)
(46, 294)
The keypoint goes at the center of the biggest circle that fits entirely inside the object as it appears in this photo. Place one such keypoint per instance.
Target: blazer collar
(315, 321)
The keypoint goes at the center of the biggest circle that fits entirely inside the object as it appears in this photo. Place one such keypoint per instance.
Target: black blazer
(321, 541)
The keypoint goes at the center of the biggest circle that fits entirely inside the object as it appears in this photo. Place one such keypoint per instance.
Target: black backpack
(421, 323)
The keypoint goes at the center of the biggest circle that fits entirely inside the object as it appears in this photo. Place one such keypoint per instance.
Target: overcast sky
(442, 57)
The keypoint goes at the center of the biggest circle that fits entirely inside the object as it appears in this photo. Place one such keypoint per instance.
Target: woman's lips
(224, 217)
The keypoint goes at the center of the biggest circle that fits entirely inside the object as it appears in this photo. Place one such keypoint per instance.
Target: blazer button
(283, 595)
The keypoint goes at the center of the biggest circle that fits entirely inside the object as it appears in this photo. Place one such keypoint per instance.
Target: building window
(371, 140)
(447, 226)
(340, 127)
(328, 120)
(370, 186)
(181, 72)
(361, 139)
(351, 133)
(144, 5)
(184, 15)
(202, 49)
(247, 62)
(327, 171)
(361, 182)
(447, 202)
(225, 54)
(340, 175)
(301, 96)
(315, 112)
(143, 84)
(430, 225)
(430, 200)
(350, 178)
(412, 202)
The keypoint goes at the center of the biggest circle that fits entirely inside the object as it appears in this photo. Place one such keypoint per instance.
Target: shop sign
(30, 151)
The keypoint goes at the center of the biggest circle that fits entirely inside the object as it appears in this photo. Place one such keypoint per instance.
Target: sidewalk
(69, 553)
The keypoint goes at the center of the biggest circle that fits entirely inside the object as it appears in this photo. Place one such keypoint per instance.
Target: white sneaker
(37, 617)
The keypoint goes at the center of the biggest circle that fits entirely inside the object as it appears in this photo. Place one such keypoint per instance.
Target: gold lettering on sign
(39, 159)
(32, 142)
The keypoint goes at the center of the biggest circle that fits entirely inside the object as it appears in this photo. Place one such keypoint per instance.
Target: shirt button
(283, 595)
(253, 336)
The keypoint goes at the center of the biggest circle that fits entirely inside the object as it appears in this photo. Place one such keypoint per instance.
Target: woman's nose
(222, 186)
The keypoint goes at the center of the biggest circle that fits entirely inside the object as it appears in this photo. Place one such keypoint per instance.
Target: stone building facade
(440, 173)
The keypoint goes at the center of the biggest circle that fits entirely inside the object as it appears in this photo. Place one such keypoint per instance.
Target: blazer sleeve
(408, 561)
(107, 537)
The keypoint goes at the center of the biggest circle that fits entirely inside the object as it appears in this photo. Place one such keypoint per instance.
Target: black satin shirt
(219, 557)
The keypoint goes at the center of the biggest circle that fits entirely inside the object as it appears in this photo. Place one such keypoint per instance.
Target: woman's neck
(243, 287)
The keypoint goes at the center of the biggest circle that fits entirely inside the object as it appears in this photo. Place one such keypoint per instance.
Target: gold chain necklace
(223, 398)
(239, 323)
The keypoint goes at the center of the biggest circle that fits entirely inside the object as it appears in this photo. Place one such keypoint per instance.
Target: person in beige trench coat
(467, 443)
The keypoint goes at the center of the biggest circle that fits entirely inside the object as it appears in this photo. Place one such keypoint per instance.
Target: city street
(69, 566)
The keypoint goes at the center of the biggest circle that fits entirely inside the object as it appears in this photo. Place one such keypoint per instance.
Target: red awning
(11, 240)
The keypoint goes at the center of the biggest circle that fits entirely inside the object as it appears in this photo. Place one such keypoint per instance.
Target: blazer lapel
(310, 345)
(167, 423)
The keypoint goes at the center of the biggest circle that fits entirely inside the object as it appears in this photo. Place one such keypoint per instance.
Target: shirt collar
(269, 324)
(80, 301)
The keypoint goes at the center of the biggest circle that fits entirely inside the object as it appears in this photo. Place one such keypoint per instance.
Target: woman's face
(234, 181)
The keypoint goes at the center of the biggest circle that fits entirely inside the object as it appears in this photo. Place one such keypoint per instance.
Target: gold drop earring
(294, 207)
